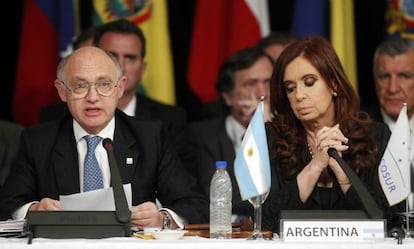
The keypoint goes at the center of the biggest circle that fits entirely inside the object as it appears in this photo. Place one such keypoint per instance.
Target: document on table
(10, 226)
(96, 200)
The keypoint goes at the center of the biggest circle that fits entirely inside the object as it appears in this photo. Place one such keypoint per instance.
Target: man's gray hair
(393, 47)
(64, 61)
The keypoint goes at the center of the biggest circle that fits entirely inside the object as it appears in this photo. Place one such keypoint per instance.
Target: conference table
(193, 242)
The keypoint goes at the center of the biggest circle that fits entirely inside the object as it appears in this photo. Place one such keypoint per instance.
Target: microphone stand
(407, 215)
(370, 206)
(121, 205)
(407, 218)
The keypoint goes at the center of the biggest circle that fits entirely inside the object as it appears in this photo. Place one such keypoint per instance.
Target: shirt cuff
(21, 212)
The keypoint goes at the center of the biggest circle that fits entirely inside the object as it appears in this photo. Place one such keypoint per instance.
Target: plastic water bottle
(220, 203)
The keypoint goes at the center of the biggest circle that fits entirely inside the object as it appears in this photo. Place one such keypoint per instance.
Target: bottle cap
(221, 164)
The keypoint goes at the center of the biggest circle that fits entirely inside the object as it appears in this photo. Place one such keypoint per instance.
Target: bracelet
(166, 220)
(346, 182)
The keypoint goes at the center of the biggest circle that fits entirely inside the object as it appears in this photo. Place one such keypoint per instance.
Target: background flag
(334, 20)
(394, 169)
(48, 27)
(221, 28)
(399, 19)
(152, 17)
(343, 37)
(252, 166)
(310, 18)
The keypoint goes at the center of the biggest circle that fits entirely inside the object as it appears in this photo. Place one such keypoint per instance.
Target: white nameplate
(332, 230)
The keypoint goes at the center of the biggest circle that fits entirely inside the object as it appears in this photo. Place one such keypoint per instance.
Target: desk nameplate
(332, 230)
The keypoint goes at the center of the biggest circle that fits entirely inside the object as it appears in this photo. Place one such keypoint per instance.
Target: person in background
(394, 83)
(243, 78)
(9, 140)
(50, 164)
(274, 43)
(318, 109)
(126, 41)
(85, 38)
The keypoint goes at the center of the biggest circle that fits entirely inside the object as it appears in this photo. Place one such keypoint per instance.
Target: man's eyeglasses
(79, 90)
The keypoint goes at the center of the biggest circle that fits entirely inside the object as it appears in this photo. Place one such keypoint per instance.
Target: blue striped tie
(92, 175)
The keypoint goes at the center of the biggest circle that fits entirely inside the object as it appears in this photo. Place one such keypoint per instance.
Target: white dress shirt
(235, 131)
(100, 152)
(130, 108)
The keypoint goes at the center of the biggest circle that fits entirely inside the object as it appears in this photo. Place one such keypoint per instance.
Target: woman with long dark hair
(314, 107)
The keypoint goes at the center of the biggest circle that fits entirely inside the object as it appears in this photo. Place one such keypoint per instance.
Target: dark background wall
(369, 21)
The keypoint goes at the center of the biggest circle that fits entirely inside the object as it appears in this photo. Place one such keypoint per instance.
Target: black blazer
(209, 142)
(48, 167)
(9, 141)
(284, 195)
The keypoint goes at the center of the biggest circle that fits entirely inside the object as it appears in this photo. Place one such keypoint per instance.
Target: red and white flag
(220, 29)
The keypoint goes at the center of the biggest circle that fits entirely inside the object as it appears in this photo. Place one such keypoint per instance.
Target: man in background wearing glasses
(52, 155)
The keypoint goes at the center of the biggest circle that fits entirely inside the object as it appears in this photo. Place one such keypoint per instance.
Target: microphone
(121, 205)
(370, 206)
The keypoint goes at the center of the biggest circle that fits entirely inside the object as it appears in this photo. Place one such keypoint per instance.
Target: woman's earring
(335, 94)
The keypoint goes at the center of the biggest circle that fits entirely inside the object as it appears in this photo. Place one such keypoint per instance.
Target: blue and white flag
(251, 165)
(394, 169)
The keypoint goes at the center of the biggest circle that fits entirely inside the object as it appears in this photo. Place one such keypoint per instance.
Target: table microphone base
(76, 224)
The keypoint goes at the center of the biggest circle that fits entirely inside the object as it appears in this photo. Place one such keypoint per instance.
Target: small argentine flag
(251, 165)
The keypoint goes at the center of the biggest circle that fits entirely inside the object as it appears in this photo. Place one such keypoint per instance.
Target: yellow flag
(343, 37)
(152, 17)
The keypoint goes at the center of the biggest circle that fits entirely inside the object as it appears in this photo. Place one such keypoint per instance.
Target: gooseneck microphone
(370, 206)
(121, 205)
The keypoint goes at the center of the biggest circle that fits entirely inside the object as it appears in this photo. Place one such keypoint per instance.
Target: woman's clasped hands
(326, 138)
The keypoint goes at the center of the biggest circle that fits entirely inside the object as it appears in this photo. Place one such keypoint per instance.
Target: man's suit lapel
(125, 152)
(65, 160)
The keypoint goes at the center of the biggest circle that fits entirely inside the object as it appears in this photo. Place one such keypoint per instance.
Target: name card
(332, 230)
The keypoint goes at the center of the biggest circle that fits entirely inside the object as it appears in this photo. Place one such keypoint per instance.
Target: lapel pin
(129, 160)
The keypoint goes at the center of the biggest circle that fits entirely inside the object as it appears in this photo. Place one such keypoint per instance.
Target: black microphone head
(332, 151)
(107, 143)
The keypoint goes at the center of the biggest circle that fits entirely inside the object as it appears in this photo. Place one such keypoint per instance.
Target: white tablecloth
(190, 242)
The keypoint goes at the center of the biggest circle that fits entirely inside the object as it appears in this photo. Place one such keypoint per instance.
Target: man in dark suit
(126, 41)
(394, 84)
(243, 78)
(394, 79)
(52, 154)
(9, 140)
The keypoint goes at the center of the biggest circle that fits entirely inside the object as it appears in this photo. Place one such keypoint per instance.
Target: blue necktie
(92, 175)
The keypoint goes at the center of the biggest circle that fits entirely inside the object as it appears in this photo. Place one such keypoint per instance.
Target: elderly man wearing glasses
(55, 157)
